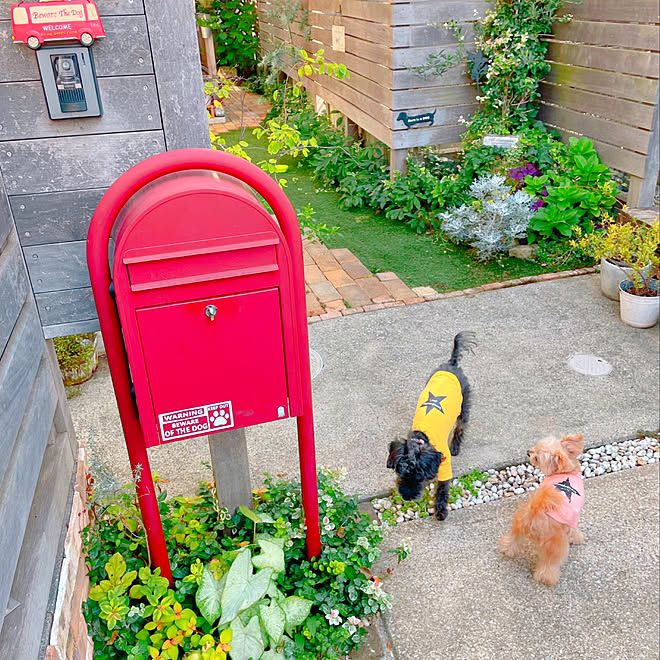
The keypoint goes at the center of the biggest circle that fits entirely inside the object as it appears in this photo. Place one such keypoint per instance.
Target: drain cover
(315, 363)
(590, 365)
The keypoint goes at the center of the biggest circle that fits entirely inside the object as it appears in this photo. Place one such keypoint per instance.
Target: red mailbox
(202, 308)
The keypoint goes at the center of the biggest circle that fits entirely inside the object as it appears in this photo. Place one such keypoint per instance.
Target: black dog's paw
(455, 449)
(441, 514)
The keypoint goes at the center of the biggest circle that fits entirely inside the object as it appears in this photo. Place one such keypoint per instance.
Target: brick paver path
(338, 284)
(242, 109)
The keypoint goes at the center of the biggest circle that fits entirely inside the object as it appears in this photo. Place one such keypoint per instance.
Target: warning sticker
(196, 421)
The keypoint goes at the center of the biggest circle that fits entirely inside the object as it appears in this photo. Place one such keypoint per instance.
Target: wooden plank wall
(37, 450)
(604, 82)
(383, 40)
(56, 171)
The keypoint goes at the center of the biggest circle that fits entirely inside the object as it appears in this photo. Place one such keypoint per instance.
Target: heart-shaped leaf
(209, 594)
(272, 655)
(273, 620)
(272, 556)
(296, 610)
(247, 641)
(242, 588)
(256, 517)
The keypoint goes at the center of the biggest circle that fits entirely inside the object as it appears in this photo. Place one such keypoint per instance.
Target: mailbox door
(214, 364)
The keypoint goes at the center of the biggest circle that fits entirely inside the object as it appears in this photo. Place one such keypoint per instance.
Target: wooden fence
(603, 82)
(382, 41)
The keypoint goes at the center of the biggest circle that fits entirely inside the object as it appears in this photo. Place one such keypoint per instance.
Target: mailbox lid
(211, 375)
(188, 207)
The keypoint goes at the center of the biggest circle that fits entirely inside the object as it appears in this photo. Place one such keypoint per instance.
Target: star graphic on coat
(434, 403)
(566, 488)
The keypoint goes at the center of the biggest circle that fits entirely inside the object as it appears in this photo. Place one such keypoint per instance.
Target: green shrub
(234, 25)
(579, 193)
(242, 585)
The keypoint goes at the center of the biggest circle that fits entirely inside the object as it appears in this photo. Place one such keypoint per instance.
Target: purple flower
(519, 173)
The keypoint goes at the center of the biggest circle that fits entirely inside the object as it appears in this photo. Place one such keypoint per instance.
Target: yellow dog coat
(438, 407)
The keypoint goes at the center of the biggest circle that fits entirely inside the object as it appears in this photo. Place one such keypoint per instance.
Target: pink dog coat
(572, 489)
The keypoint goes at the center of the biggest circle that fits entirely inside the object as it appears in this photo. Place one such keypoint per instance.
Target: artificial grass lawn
(388, 245)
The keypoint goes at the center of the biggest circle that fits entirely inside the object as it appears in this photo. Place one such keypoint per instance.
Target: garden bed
(385, 245)
(242, 585)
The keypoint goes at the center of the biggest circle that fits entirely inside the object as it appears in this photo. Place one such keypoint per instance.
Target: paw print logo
(219, 418)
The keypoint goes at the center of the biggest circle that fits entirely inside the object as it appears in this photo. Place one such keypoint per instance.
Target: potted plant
(632, 248)
(77, 356)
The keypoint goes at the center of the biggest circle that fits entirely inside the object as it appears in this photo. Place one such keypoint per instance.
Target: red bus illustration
(34, 23)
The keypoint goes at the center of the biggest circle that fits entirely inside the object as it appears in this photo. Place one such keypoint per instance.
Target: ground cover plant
(243, 587)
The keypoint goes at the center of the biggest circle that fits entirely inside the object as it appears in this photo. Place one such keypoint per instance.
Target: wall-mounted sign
(503, 141)
(339, 38)
(34, 23)
(417, 120)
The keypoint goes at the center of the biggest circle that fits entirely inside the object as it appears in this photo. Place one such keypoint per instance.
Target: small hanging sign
(503, 141)
(339, 38)
(417, 120)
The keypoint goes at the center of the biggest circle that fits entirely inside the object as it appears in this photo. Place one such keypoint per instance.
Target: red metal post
(97, 249)
(99, 272)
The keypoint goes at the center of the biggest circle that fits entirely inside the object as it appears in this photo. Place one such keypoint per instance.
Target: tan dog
(549, 517)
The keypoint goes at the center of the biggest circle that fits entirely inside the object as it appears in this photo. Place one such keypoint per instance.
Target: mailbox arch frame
(98, 238)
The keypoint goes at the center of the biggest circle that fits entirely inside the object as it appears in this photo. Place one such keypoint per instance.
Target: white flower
(333, 618)
(353, 620)
(326, 520)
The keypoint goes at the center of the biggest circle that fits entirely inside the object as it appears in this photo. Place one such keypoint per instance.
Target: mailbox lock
(211, 311)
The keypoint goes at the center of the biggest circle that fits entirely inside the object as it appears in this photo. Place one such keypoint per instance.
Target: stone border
(492, 286)
(523, 478)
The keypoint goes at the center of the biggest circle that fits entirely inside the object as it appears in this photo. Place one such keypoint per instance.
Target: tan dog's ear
(573, 444)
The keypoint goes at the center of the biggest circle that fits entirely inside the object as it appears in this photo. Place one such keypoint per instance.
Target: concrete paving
(457, 597)
(376, 363)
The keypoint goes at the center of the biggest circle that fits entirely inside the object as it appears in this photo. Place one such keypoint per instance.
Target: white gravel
(523, 478)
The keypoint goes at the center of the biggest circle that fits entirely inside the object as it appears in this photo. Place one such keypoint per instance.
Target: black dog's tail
(464, 342)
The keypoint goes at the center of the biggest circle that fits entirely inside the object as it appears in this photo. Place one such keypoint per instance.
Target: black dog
(425, 454)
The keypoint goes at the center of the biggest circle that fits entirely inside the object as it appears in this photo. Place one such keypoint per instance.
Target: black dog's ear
(396, 449)
(429, 462)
